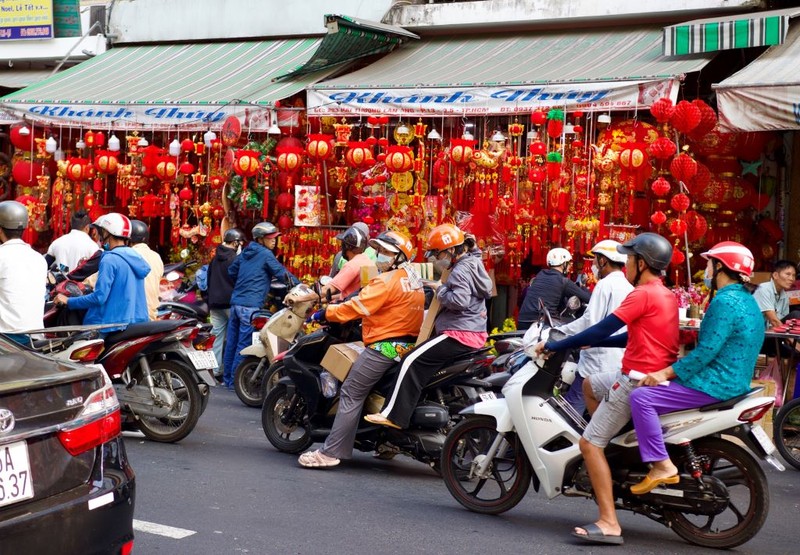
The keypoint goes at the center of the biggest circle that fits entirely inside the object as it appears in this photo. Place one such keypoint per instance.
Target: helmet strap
(638, 271)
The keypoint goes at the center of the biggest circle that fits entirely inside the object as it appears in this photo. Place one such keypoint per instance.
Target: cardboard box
(426, 330)
(340, 358)
(768, 391)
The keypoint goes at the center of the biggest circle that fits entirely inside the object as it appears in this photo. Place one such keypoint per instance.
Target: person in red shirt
(650, 312)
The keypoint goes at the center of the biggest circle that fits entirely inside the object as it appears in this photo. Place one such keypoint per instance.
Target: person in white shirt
(608, 294)
(23, 276)
(71, 249)
(140, 233)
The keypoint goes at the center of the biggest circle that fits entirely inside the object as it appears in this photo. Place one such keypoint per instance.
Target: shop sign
(601, 97)
(771, 108)
(26, 19)
(133, 116)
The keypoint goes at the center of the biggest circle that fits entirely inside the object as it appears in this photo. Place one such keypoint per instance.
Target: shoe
(595, 535)
(381, 420)
(317, 459)
(648, 484)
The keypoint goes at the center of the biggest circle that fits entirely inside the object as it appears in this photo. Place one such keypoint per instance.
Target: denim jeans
(219, 327)
(240, 335)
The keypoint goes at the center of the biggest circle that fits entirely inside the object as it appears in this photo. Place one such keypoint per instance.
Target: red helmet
(734, 256)
(443, 237)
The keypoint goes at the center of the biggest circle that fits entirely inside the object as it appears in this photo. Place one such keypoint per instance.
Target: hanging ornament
(555, 123)
(708, 119)
(246, 163)
(399, 159)
(677, 227)
(319, 147)
(662, 109)
(662, 148)
(686, 117)
(658, 217)
(680, 202)
(553, 165)
(106, 162)
(660, 187)
(678, 257)
(683, 167)
(537, 148)
(359, 155)
(462, 151)
(538, 117)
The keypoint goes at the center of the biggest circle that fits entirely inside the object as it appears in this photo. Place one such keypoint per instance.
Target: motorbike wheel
(183, 418)
(247, 380)
(282, 417)
(787, 432)
(509, 474)
(749, 497)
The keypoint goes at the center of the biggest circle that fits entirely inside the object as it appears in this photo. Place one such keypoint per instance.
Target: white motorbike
(531, 434)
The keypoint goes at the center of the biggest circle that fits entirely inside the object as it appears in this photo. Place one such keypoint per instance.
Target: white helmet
(608, 248)
(558, 256)
(115, 224)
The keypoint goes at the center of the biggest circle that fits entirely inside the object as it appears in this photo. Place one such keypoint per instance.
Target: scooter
(531, 435)
(300, 409)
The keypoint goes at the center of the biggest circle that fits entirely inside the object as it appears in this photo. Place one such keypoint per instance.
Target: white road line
(161, 530)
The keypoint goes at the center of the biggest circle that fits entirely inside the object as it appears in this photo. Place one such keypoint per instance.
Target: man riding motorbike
(391, 307)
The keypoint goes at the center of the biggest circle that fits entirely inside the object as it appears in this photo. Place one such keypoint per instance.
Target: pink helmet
(115, 224)
(734, 256)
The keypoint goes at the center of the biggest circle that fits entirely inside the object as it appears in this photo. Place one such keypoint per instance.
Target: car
(66, 485)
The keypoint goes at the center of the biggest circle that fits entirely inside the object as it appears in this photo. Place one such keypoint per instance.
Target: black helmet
(265, 229)
(353, 238)
(140, 233)
(233, 235)
(654, 249)
(13, 215)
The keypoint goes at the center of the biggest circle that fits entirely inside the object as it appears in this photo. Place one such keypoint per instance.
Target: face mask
(596, 271)
(383, 260)
(707, 282)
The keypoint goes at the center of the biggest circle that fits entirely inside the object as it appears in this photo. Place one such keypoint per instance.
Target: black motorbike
(299, 410)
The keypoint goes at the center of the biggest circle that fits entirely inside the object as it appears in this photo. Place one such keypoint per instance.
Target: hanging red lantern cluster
(662, 110)
(686, 117)
(662, 148)
(683, 167)
(399, 159)
(247, 163)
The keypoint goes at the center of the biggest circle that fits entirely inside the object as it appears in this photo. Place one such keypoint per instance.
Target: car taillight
(204, 343)
(98, 422)
(89, 353)
(127, 548)
(755, 413)
(259, 322)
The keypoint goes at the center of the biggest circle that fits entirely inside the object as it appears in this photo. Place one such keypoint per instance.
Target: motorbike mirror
(51, 279)
(573, 303)
(325, 280)
(172, 276)
(544, 314)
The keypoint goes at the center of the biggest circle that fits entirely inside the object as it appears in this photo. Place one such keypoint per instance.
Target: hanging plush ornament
(555, 123)
(662, 109)
(686, 117)
(553, 165)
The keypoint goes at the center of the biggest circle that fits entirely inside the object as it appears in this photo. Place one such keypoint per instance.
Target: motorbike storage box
(339, 358)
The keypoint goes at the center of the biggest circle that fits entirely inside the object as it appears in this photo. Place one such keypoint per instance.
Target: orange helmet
(395, 242)
(443, 237)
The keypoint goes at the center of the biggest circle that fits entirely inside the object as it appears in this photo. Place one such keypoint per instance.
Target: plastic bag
(772, 372)
(330, 384)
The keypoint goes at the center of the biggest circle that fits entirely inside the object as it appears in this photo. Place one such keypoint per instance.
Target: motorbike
(301, 407)
(786, 431)
(180, 298)
(531, 435)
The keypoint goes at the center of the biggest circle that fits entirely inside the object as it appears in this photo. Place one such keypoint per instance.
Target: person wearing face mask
(552, 287)
(391, 308)
(220, 289)
(460, 324)
(23, 275)
(339, 259)
(119, 295)
(611, 289)
(719, 368)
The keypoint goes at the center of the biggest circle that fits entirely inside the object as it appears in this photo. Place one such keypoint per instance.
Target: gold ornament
(402, 182)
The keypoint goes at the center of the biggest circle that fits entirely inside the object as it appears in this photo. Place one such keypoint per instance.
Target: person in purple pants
(718, 369)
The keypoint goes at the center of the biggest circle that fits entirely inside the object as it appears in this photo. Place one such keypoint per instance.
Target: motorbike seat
(726, 405)
(143, 329)
(185, 308)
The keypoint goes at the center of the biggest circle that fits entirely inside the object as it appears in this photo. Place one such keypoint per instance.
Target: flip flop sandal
(381, 420)
(316, 459)
(595, 535)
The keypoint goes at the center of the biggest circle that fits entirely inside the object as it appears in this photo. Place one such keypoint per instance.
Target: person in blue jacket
(252, 272)
(118, 296)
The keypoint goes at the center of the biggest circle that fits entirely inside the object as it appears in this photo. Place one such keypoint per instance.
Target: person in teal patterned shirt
(719, 368)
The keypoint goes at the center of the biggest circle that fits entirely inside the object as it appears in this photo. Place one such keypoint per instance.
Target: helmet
(732, 255)
(608, 248)
(265, 229)
(233, 235)
(13, 215)
(395, 242)
(139, 232)
(364, 228)
(115, 224)
(558, 256)
(444, 237)
(353, 238)
(654, 249)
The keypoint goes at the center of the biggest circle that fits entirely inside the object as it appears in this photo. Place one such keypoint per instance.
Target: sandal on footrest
(317, 459)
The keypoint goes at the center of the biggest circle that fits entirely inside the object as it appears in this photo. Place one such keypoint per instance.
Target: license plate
(763, 439)
(16, 483)
(203, 360)
(256, 338)
(488, 396)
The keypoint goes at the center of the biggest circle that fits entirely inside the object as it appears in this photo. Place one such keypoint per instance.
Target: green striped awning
(740, 31)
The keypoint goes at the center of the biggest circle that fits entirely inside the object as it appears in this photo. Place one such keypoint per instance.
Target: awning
(196, 86)
(765, 95)
(767, 28)
(607, 69)
(19, 78)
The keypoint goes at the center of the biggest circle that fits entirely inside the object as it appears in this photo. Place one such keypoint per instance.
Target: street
(225, 489)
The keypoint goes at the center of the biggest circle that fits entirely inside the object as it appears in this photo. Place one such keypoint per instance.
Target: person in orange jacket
(391, 307)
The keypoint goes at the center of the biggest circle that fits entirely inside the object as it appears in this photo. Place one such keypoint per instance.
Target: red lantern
(708, 118)
(284, 201)
(658, 217)
(106, 162)
(680, 202)
(662, 148)
(538, 117)
(25, 173)
(696, 225)
(677, 227)
(538, 148)
(686, 117)
(701, 179)
(461, 151)
(76, 169)
(660, 187)
(678, 257)
(187, 168)
(99, 139)
(217, 182)
(536, 175)
(713, 194)
(88, 138)
(185, 194)
(683, 167)
(22, 142)
(359, 156)
(319, 147)
(247, 164)
(750, 146)
(284, 222)
(662, 110)
(635, 163)
(166, 169)
(187, 145)
(399, 159)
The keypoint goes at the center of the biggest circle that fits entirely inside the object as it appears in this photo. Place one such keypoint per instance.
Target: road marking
(161, 530)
